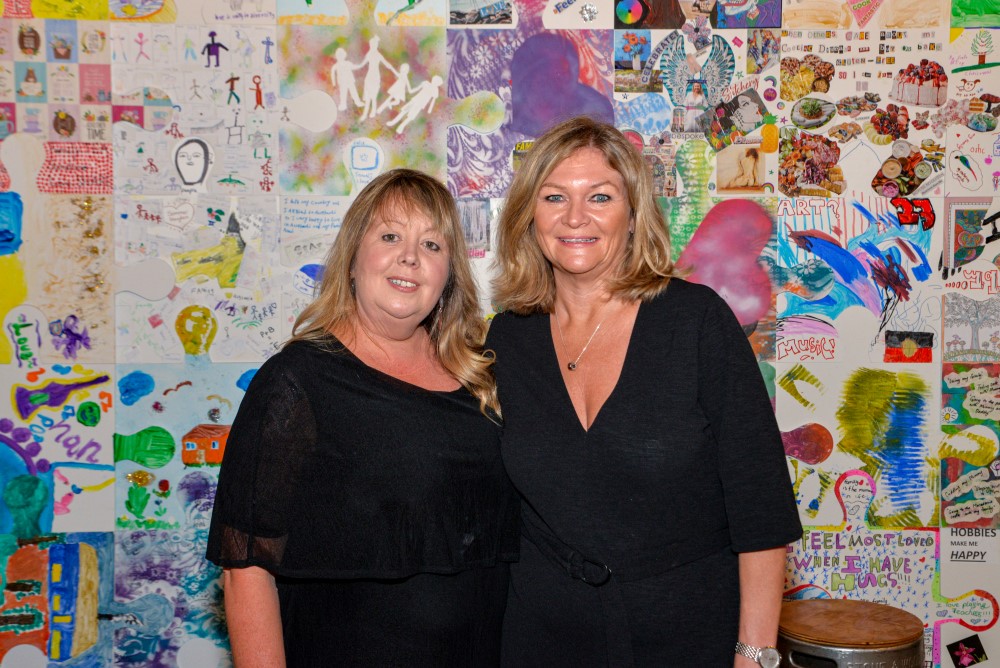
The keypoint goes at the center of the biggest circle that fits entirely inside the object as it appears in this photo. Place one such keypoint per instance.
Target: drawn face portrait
(737, 7)
(192, 159)
(747, 106)
(747, 116)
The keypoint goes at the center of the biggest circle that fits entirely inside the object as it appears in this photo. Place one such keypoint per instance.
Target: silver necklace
(572, 365)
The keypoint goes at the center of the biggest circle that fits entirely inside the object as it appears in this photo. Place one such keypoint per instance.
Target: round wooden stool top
(848, 624)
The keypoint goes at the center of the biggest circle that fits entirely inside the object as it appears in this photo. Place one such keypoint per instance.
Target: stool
(838, 633)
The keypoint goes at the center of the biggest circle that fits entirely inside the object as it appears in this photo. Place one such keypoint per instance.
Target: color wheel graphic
(630, 11)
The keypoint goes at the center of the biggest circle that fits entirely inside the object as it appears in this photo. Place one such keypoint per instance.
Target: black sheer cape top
(335, 470)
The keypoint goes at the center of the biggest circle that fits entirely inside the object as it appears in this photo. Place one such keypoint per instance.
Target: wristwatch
(767, 657)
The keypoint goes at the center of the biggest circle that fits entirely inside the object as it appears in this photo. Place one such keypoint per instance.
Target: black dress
(682, 469)
(382, 509)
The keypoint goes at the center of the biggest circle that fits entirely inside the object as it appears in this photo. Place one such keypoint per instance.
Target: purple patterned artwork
(547, 87)
(483, 60)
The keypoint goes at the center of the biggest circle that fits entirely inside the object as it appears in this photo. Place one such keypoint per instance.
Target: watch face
(769, 658)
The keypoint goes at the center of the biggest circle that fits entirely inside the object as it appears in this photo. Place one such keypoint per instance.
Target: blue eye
(553, 198)
(602, 198)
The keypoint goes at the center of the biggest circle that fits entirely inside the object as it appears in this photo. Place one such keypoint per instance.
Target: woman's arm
(253, 617)
(762, 579)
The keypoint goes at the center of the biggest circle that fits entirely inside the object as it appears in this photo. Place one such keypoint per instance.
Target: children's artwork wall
(173, 172)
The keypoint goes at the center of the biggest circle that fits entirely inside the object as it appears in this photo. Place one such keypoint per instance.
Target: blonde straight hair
(524, 281)
(456, 327)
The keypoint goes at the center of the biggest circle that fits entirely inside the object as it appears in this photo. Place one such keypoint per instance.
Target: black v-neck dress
(682, 468)
(382, 509)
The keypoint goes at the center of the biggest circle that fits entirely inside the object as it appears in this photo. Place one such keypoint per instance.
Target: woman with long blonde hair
(363, 516)
(637, 429)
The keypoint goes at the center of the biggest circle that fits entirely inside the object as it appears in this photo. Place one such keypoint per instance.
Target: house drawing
(205, 444)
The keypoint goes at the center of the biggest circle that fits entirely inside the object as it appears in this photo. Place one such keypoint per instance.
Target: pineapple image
(769, 134)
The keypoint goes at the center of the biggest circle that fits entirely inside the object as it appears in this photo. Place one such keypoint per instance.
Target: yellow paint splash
(978, 449)
(79, 10)
(221, 262)
(99, 486)
(482, 111)
(421, 20)
(801, 473)
(795, 374)
(14, 293)
(312, 20)
(196, 327)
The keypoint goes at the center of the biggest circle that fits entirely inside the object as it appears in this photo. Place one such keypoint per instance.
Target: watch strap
(749, 651)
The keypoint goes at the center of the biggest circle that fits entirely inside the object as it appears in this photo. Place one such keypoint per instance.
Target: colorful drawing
(677, 69)
(747, 14)
(481, 165)
(855, 560)
(174, 174)
(196, 327)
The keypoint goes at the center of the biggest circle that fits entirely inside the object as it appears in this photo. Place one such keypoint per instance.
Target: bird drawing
(964, 159)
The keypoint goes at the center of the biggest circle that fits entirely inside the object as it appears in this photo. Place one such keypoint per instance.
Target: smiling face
(400, 271)
(583, 218)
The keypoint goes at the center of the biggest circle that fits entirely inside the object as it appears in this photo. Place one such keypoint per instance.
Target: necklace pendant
(571, 366)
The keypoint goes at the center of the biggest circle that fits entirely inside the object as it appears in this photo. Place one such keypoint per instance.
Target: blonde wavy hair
(456, 328)
(524, 281)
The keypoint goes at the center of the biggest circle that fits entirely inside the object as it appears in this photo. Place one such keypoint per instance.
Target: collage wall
(172, 173)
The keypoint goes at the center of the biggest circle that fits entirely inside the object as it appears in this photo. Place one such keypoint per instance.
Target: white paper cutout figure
(373, 77)
(342, 78)
(425, 94)
(399, 89)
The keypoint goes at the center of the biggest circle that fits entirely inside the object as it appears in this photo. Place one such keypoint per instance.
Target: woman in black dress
(637, 428)
(363, 517)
